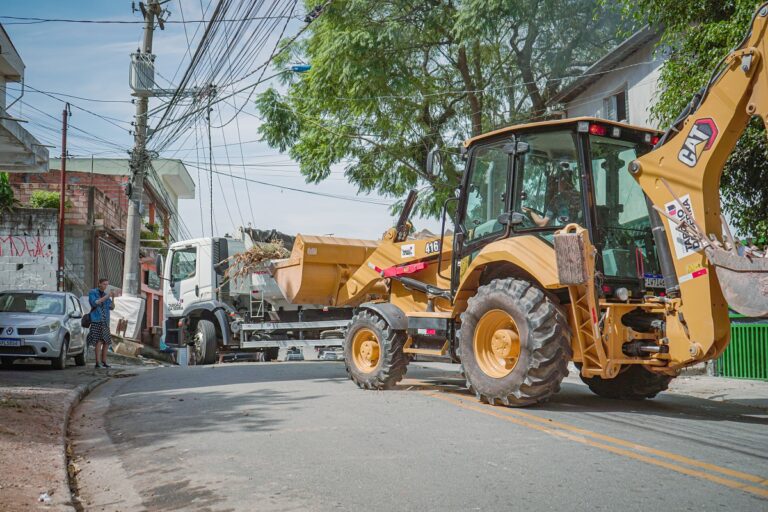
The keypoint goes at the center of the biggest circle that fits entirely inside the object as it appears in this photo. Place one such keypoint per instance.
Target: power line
(302, 191)
(95, 100)
(21, 20)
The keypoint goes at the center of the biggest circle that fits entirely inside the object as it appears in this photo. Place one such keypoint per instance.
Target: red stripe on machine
(693, 275)
(404, 269)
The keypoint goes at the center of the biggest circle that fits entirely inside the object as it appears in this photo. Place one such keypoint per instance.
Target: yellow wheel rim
(496, 343)
(366, 350)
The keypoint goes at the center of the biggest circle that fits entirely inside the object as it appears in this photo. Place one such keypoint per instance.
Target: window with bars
(615, 107)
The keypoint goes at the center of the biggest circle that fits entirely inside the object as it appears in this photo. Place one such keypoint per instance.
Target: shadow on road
(160, 406)
(577, 399)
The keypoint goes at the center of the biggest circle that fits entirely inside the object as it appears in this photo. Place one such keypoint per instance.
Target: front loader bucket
(743, 280)
(319, 266)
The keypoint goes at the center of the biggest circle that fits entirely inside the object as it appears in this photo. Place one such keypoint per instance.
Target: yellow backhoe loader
(577, 240)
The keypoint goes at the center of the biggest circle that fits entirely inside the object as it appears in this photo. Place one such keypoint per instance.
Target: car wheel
(59, 363)
(80, 358)
(7, 361)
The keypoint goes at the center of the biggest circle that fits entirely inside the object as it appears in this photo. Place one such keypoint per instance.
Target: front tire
(59, 363)
(632, 383)
(373, 352)
(205, 342)
(7, 361)
(514, 344)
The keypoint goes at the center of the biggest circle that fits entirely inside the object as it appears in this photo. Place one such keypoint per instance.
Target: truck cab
(195, 289)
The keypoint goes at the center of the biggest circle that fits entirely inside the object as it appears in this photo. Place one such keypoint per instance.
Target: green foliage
(46, 199)
(7, 201)
(697, 35)
(150, 237)
(392, 80)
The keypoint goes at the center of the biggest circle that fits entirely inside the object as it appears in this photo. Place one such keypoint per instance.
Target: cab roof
(556, 122)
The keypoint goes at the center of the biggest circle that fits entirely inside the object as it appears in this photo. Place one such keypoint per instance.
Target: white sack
(131, 309)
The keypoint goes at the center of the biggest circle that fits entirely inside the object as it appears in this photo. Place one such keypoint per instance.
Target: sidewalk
(35, 402)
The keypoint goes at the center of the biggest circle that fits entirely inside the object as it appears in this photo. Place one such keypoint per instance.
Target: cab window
(624, 234)
(486, 192)
(183, 264)
(548, 184)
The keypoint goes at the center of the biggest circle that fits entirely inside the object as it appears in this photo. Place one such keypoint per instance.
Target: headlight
(45, 329)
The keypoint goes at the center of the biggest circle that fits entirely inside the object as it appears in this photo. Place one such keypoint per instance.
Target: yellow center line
(564, 431)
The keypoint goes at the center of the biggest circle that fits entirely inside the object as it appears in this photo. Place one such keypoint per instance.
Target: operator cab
(535, 179)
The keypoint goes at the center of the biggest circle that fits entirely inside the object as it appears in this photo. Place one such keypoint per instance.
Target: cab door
(183, 280)
(485, 200)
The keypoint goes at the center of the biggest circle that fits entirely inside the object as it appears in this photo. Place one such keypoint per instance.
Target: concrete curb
(79, 393)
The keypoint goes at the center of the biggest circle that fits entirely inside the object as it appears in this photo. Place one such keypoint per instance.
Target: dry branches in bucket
(242, 265)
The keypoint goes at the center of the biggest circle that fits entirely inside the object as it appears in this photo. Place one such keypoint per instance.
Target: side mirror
(159, 265)
(432, 158)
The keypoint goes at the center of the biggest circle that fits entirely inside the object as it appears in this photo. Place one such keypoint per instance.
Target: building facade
(622, 86)
(19, 150)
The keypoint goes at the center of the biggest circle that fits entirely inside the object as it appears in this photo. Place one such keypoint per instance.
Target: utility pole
(143, 75)
(62, 194)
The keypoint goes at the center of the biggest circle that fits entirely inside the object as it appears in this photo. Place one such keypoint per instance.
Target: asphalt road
(300, 436)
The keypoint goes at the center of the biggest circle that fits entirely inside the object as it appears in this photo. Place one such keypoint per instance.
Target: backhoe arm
(681, 177)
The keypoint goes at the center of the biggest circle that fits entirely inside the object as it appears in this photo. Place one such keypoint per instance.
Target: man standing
(98, 336)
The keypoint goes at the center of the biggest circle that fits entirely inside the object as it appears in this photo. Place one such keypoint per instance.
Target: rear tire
(205, 343)
(513, 313)
(633, 383)
(373, 352)
(271, 354)
(59, 363)
(80, 358)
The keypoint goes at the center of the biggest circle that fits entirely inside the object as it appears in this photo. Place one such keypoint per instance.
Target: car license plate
(11, 342)
(654, 282)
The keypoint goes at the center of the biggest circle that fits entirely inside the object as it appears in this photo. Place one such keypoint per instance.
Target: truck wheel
(205, 342)
(632, 383)
(514, 344)
(270, 354)
(373, 352)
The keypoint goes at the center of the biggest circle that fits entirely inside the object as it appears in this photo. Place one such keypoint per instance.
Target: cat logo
(701, 138)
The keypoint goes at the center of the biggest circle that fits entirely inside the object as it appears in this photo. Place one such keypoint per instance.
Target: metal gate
(747, 354)
(110, 263)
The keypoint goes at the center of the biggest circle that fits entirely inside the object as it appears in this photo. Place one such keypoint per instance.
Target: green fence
(747, 355)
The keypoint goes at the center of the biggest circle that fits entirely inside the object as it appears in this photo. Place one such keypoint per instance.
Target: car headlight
(45, 329)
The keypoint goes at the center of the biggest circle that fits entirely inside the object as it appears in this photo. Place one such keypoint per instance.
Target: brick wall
(29, 249)
(110, 202)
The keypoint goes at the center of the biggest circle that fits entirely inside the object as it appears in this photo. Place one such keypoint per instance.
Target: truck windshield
(183, 264)
(623, 234)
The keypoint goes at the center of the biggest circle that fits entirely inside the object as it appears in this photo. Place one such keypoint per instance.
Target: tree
(7, 200)
(698, 34)
(390, 80)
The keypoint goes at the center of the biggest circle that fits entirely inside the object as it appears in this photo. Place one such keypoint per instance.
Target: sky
(91, 61)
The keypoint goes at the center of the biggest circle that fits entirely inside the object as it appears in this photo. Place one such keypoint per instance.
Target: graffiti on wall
(30, 246)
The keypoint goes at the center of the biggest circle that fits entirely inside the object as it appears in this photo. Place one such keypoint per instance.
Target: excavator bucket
(743, 280)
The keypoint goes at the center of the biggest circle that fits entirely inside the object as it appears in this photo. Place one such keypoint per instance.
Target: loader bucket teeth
(743, 280)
